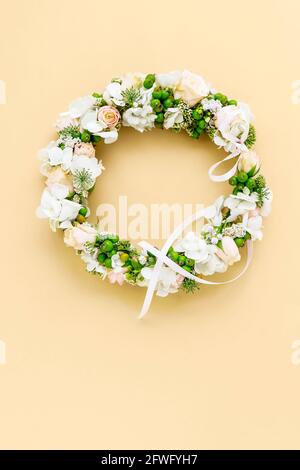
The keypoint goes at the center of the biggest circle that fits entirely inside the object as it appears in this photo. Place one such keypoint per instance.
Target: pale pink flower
(116, 277)
(179, 280)
(84, 149)
(109, 115)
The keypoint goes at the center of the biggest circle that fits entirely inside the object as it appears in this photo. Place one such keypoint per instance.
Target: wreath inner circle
(177, 101)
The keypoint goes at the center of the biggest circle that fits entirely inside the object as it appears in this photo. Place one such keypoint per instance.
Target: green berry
(232, 102)
(85, 136)
(197, 114)
(239, 242)
(156, 105)
(156, 95)
(106, 246)
(233, 181)
(151, 261)
(159, 118)
(124, 257)
(83, 211)
(187, 268)
(235, 191)
(181, 260)
(149, 80)
(242, 177)
(101, 258)
(135, 264)
(202, 124)
(168, 103)
(174, 256)
(195, 134)
(108, 263)
(190, 262)
(164, 95)
(251, 184)
(80, 218)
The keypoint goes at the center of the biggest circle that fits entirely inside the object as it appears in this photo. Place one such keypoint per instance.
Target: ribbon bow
(161, 255)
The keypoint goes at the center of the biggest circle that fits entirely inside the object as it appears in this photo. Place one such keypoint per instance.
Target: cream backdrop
(212, 370)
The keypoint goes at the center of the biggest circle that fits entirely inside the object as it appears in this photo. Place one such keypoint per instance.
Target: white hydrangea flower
(80, 106)
(167, 281)
(211, 264)
(240, 204)
(92, 265)
(140, 118)
(253, 225)
(53, 155)
(173, 116)
(55, 207)
(193, 247)
(211, 105)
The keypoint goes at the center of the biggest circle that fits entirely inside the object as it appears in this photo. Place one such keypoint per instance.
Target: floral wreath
(180, 101)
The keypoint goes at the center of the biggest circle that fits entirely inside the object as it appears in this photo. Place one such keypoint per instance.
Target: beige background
(207, 371)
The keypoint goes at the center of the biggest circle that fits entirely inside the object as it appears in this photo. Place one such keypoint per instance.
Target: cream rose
(248, 161)
(84, 149)
(191, 88)
(109, 115)
(58, 176)
(79, 235)
(233, 124)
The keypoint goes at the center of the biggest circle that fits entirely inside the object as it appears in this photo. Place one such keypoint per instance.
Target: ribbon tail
(226, 176)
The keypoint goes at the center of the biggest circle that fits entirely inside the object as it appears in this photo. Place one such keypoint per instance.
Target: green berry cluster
(186, 263)
(243, 179)
(200, 119)
(223, 99)
(162, 99)
(240, 241)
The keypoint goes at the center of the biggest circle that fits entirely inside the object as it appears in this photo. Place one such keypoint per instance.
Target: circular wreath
(180, 101)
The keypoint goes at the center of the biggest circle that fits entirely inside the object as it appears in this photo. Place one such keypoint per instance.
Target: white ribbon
(162, 258)
(228, 174)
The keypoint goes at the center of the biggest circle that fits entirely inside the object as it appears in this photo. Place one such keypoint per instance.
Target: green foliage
(250, 141)
(189, 286)
(130, 96)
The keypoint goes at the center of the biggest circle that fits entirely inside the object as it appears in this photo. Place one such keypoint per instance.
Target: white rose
(173, 116)
(232, 123)
(248, 161)
(191, 89)
(79, 235)
(169, 80)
